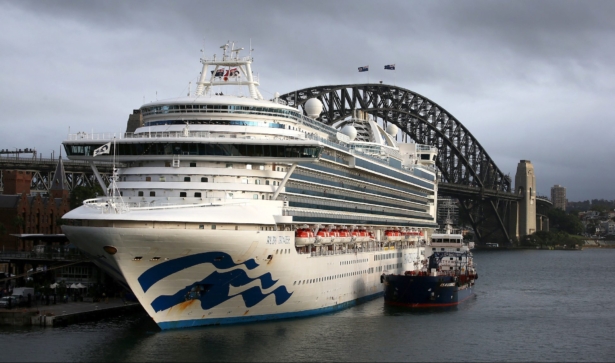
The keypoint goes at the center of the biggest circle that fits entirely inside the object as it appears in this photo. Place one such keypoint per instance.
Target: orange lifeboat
(345, 235)
(362, 235)
(392, 235)
(335, 235)
(304, 236)
(323, 236)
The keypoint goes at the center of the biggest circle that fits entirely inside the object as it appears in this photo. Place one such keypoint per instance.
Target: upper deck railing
(376, 153)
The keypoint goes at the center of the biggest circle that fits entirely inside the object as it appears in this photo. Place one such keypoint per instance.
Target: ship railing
(374, 153)
(119, 206)
(424, 147)
(181, 135)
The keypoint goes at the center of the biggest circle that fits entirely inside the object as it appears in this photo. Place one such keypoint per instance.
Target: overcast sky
(531, 80)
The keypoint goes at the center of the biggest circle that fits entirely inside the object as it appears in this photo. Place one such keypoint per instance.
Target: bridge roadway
(49, 165)
(460, 190)
(78, 173)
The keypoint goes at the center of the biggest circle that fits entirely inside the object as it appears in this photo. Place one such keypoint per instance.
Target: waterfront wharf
(62, 314)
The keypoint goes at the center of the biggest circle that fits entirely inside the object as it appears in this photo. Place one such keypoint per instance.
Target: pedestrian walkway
(71, 307)
(62, 314)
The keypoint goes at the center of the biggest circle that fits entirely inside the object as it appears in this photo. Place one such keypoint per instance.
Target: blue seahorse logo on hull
(213, 289)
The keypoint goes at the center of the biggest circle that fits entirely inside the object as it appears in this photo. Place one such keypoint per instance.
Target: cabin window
(162, 179)
(201, 226)
(186, 178)
(204, 180)
(213, 226)
(255, 196)
(152, 194)
(148, 178)
(229, 166)
(182, 194)
(257, 181)
(249, 166)
(140, 194)
(193, 165)
(266, 182)
(197, 194)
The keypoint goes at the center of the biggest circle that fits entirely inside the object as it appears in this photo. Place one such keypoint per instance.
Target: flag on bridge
(390, 66)
(364, 69)
(103, 149)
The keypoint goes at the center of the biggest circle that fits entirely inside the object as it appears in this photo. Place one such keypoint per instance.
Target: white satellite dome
(392, 129)
(313, 107)
(349, 131)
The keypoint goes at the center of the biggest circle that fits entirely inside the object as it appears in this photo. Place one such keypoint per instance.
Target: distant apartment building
(607, 227)
(558, 196)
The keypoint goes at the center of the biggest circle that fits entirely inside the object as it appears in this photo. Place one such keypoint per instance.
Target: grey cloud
(530, 79)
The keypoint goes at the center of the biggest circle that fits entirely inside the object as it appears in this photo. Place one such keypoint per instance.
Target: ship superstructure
(229, 207)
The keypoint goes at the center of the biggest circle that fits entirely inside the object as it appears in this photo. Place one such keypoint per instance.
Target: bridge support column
(525, 186)
(513, 221)
(542, 223)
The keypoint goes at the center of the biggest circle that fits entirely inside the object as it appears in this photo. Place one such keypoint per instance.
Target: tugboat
(446, 279)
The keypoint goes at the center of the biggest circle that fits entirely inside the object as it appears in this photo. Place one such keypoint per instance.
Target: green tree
(565, 222)
(81, 193)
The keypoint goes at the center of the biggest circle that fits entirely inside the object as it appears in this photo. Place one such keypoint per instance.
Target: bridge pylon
(525, 187)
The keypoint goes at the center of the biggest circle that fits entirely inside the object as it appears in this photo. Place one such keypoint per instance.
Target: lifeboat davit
(355, 235)
(304, 236)
(371, 236)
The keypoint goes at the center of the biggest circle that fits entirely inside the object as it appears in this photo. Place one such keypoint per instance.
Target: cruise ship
(231, 208)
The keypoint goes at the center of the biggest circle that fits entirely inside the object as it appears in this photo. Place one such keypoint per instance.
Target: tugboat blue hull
(426, 291)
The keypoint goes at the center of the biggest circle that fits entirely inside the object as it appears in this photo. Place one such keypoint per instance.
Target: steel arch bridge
(467, 172)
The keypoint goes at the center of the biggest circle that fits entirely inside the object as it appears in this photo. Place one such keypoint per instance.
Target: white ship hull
(250, 275)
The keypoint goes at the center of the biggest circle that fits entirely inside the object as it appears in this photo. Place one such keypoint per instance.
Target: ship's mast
(231, 70)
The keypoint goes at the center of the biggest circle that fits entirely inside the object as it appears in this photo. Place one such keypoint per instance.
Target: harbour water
(529, 306)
